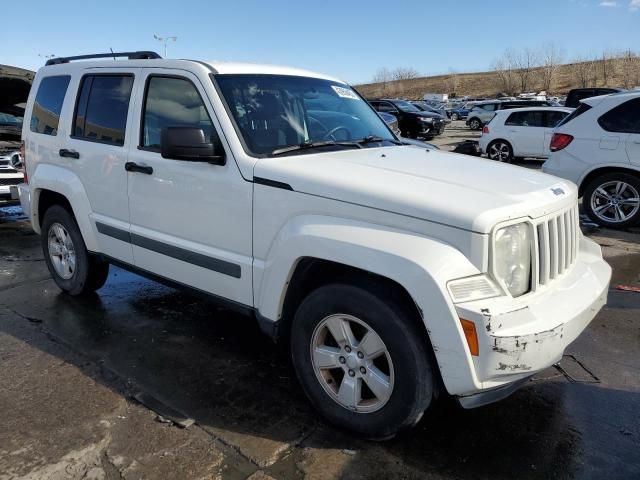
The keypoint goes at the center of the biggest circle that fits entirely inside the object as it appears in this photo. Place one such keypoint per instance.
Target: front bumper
(432, 129)
(25, 198)
(520, 337)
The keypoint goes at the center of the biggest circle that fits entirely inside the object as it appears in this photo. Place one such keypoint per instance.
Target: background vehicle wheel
(361, 359)
(475, 124)
(500, 151)
(73, 269)
(454, 116)
(613, 200)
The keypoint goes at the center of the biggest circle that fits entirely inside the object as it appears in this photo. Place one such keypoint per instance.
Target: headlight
(426, 119)
(512, 258)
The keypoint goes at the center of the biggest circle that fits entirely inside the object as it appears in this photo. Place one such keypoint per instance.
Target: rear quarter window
(583, 108)
(45, 115)
(625, 118)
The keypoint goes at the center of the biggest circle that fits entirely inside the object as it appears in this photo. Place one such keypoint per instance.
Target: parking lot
(143, 381)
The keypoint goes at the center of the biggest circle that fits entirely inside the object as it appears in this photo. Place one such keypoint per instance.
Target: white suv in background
(598, 148)
(521, 132)
(392, 271)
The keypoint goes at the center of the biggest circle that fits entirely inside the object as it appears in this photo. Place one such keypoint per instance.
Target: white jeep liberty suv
(395, 273)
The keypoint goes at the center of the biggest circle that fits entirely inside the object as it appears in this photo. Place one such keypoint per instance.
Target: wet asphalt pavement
(72, 368)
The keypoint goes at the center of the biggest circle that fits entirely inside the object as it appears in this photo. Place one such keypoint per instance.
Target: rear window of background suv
(45, 115)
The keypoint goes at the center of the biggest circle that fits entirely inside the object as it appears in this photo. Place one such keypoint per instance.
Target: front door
(526, 129)
(190, 221)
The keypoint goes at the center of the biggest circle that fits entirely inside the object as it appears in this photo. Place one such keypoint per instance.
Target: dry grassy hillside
(487, 84)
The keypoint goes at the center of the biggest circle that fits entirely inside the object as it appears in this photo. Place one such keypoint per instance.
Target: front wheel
(361, 360)
(613, 200)
(454, 116)
(73, 269)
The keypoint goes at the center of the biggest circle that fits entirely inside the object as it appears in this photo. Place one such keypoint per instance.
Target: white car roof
(621, 96)
(535, 109)
(218, 67)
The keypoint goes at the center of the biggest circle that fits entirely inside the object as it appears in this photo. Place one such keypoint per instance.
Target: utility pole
(165, 40)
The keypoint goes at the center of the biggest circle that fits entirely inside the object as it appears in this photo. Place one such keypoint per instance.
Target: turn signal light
(471, 335)
(560, 141)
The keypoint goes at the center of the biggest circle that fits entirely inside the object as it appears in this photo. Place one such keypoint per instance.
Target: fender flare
(603, 166)
(421, 265)
(66, 183)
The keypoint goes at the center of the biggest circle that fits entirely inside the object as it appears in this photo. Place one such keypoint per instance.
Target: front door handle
(68, 153)
(134, 167)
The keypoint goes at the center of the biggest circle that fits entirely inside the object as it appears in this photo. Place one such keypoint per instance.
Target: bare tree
(382, 77)
(451, 83)
(525, 63)
(550, 59)
(584, 71)
(504, 67)
(408, 73)
(608, 65)
(629, 63)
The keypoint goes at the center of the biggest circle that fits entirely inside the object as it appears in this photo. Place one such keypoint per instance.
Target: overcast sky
(349, 39)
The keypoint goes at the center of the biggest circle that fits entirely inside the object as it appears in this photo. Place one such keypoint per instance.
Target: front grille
(10, 181)
(557, 245)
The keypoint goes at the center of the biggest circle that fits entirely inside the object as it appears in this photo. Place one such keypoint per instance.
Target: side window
(489, 107)
(516, 119)
(102, 107)
(45, 115)
(172, 102)
(386, 107)
(624, 118)
(554, 118)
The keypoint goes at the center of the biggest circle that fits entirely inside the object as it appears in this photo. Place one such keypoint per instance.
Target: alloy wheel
(61, 251)
(499, 151)
(352, 363)
(615, 201)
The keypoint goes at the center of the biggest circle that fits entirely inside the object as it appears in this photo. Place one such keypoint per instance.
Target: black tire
(607, 182)
(500, 151)
(413, 387)
(454, 117)
(475, 124)
(90, 272)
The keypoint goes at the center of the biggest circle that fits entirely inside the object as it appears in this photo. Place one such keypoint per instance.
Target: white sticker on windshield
(345, 92)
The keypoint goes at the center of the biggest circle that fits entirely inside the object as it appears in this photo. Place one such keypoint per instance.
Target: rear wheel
(455, 116)
(613, 200)
(73, 269)
(500, 150)
(361, 360)
(475, 124)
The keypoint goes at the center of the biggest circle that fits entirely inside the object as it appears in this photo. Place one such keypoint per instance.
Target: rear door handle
(134, 167)
(68, 153)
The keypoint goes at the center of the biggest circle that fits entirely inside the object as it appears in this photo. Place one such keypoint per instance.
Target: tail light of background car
(560, 141)
(24, 162)
(485, 130)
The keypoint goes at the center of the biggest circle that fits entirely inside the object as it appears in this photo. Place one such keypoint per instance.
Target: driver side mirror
(190, 144)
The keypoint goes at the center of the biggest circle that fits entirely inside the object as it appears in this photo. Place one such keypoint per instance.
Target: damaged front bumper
(520, 337)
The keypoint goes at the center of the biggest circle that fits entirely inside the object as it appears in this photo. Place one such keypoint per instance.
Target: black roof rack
(142, 55)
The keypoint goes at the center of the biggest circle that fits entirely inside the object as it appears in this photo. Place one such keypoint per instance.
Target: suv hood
(451, 189)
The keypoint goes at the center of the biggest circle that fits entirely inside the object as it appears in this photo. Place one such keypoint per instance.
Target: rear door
(526, 130)
(98, 149)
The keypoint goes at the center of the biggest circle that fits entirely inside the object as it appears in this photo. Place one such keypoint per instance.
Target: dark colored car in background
(425, 107)
(413, 122)
(577, 94)
(391, 121)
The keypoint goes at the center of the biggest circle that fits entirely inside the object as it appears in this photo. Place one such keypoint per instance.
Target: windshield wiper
(376, 139)
(310, 145)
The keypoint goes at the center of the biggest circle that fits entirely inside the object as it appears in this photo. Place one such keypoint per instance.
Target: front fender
(64, 182)
(421, 265)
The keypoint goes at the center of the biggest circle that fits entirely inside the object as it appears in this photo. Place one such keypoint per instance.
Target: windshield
(273, 112)
(406, 106)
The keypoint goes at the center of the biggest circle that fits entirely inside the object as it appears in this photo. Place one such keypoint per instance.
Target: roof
(535, 109)
(625, 95)
(218, 67)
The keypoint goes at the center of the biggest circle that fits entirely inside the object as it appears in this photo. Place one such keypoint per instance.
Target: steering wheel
(330, 135)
